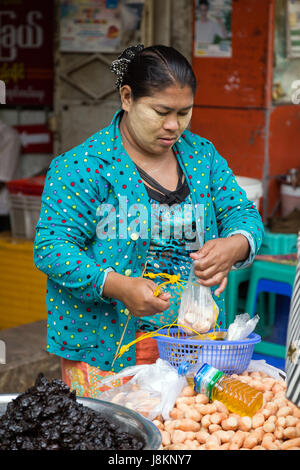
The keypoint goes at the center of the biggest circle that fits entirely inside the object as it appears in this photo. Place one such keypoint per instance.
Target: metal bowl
(127, 420)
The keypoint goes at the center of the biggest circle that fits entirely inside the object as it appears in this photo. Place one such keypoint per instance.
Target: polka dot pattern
(71, 250)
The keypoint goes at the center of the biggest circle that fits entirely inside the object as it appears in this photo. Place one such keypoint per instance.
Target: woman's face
(156, 122)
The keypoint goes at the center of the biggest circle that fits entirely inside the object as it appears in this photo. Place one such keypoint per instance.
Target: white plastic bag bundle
(152, 390)
(242, 327)
(198, 309)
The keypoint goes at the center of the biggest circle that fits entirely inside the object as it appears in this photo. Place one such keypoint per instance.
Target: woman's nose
(171, 123)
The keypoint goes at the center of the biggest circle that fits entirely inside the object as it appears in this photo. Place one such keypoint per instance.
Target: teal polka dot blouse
(96, 217)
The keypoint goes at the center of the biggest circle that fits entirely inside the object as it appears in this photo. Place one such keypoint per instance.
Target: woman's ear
(126, 97)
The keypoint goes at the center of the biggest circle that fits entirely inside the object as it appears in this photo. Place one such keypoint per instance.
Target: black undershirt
(168, 197)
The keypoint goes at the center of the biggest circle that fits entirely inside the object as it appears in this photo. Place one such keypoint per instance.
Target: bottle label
(206, 378)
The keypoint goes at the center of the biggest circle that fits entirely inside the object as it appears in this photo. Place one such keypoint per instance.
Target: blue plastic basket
(232, 357)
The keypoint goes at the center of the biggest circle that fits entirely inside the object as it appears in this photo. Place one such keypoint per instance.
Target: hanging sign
(26, 52)
(35, 138)
(90, 26)
(212, 31)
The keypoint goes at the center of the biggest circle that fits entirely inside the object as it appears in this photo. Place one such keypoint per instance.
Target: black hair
(204, 2)
(153, 69)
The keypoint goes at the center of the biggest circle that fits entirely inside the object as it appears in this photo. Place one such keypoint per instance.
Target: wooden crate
(22, 285)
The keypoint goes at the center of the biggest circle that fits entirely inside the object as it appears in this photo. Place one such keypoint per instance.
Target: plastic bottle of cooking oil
(237, 396)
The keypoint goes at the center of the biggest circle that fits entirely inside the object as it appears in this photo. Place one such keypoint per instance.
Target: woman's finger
(164, 296)
(213, 281)
(160, 304)
(206, 248)
(221, 287)
(204, 263)
(209, 266)
(207, 273)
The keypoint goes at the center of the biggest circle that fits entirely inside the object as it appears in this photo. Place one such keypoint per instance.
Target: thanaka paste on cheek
(146, 127)
(146, 124)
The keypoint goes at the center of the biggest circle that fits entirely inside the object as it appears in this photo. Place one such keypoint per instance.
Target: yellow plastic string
(125, 327)
(153, 334)
(172, 279)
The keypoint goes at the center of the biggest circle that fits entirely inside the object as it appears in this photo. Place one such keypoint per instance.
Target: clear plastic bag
(132, 396)
(152, 390)
(198, 310)
(242, 326)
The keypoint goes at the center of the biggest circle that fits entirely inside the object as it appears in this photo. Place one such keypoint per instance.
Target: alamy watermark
(295, 95)
(123, 222)
(2, 92)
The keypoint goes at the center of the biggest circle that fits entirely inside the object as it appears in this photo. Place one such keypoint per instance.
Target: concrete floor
(26, 356)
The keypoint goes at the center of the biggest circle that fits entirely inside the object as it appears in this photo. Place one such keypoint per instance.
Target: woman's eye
(165, 114)
(160, 113)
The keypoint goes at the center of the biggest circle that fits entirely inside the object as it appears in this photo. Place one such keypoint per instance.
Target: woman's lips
(167, 140)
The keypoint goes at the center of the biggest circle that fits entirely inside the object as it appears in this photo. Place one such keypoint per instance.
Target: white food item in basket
(200, 320)
(204, 326)
(198, 310)
(189, 317)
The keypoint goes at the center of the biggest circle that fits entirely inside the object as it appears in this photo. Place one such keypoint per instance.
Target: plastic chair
(273, 278)
(233, 301)
(278, 243)
(274, 244)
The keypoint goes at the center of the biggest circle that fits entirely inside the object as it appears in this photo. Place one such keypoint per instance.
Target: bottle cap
(184, 367)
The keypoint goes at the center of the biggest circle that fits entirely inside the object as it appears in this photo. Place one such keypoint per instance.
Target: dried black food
(48, 417)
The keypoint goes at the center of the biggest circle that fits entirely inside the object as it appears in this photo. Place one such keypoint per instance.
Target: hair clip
(120, 65)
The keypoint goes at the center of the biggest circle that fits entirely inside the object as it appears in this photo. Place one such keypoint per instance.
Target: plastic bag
(241, 328)
(152, 391)
(130, 395)
(198, 309)
(262, 366)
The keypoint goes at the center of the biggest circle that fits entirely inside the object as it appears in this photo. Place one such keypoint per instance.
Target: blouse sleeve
(252, 253)
(67, 224)
(234, 212)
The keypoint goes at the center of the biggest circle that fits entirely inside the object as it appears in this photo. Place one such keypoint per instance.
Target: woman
(146, 173)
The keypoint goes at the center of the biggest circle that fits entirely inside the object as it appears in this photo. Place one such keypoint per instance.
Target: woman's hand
(139, 299)
(136, 293)
(216, 258)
